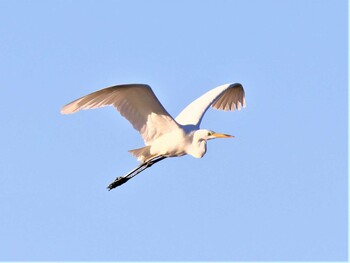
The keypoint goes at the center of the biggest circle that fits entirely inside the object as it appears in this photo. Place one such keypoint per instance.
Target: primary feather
(136, 102)
(225, 97)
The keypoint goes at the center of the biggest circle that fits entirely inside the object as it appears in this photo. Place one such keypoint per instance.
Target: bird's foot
(123, 179)
(118, 181)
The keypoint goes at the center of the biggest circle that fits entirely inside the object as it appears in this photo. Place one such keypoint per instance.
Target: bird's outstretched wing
(136, 102)
(225, 97)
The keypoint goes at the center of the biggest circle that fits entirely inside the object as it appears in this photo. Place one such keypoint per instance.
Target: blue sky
(277, 192)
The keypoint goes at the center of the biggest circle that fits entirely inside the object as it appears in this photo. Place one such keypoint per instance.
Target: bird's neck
(198, 146)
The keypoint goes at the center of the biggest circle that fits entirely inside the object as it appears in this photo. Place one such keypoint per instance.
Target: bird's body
(168, 145)
(163, 135)
(165, 145)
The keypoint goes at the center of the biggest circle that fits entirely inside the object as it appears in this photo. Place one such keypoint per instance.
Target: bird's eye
(209, 133)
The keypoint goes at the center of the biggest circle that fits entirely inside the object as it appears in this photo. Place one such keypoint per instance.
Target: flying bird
(163, 135)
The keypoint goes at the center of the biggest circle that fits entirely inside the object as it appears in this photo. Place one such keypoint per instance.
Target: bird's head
(208, 135)
(199, 143)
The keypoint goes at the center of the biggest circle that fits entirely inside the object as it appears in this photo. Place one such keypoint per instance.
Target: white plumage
(163, 135)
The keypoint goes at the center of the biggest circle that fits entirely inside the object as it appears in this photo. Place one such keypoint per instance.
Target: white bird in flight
(163, 135)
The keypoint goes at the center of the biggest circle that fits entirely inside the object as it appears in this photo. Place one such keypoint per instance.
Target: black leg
(123, 179)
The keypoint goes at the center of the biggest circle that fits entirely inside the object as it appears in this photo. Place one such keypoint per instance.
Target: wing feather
(136, 102)
(225, 97)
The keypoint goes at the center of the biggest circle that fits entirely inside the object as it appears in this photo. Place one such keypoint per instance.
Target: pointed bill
(222, 135)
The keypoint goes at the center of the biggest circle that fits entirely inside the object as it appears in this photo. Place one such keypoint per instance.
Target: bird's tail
(142, 154)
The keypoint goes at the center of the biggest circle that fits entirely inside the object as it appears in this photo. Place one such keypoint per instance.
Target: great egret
(163, 136)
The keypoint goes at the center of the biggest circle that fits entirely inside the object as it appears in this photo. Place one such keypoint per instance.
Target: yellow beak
(221, 135)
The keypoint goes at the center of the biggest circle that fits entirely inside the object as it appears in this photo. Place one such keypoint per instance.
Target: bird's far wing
(136, 102)
(225, 97)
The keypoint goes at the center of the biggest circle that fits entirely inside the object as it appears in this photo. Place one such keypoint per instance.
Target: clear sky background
(278, 191)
